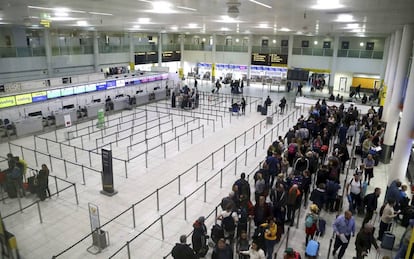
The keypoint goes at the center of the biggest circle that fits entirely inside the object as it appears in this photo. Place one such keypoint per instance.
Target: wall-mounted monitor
(34, 114)
(66, 91)
(96, 100)
(297, 75)
(23, 99)
(110, 84)
(90, 88)
(53, 94)
(79, 89)
(7, 101)
(69, 106)
(39, 96)
(101, 87)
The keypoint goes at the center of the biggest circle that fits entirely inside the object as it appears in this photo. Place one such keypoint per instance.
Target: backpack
(309, 221)
(292, 149)
(228, 223)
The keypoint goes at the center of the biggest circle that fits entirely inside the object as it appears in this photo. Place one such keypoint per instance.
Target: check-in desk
(142, 98)
(93, 108)
(60, 116)
(28, 126)
(160, 94)
(121, 103)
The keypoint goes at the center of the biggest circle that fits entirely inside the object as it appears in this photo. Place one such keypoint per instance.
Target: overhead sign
(269, 59)
(107, 172)
(23, 99)
(7, 101)
(39, 96)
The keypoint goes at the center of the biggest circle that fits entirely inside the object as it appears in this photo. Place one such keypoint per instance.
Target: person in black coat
(318, 196)
(182, 250)
(199, 237)
(371, 204)
(173, 99)
(222, 250)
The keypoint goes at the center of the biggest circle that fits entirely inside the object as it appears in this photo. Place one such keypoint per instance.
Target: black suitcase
(259, 108)
(388, 241)
(11, 189)
(352, 93)
(264, 110)
(338, 203)
(32, 184)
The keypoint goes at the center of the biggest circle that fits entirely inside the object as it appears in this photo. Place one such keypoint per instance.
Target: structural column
(404, 140)
(385, 83)
(385, 59)
(290, 50)
(391, 75)
(249, 61)
(131, 52)
(333, 64)
(397, 92)
(160, 49)
(95, 51)
(48, 52)
(213, 57)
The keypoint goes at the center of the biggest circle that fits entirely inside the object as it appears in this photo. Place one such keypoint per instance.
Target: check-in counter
(121, 103)
(60, 116)
(28, 126)
(160, 94)
(142, 98)
(93, 108)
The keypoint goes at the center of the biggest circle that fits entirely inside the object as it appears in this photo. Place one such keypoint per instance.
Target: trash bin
(269, 120)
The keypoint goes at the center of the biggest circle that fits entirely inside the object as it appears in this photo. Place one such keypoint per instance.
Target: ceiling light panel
(327, 5)
(260, 3)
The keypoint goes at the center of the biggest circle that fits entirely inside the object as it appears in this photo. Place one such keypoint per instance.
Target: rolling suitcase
(259, 108)
(32, 184)
(321, 227)
(264, 110)
(388, 239)
(338, 203)
(312, 248)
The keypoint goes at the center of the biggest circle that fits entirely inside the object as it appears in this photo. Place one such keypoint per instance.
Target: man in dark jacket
(318, 196)
(182, 250)
(278, 196)
(371, 204)
(199, 237)
(364, 240)
(222, 250)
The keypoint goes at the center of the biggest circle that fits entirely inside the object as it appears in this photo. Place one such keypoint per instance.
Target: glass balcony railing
(355, 53)
(18, 52)
(231, 48)
(145, 47)
(113, 48)
(73, 50)
(170, 47)
(270, 50)
(201, 47)
(313, 52)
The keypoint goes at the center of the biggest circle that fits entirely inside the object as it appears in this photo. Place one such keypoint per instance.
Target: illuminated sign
(7, 101)
(66, 91)
(90, 88)
(39, 96)
(23, 99)
(53, 93)
(120, 83)
(103, 86)
(109, 84)
(79, 89)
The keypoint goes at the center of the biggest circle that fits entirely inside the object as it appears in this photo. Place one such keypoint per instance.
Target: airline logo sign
(23, 99)
(7, 101)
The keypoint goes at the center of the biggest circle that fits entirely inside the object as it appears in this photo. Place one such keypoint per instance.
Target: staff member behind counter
(109, 104)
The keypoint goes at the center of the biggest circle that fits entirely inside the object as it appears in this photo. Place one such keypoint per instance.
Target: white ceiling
(372, 17)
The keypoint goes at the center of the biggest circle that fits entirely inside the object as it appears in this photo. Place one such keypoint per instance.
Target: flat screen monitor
(66, 91)
(34, 114)
(96, 100)
(79, 89)
(39, 96)
(119, 96)
(7, 101)
(69, 106)
(23, 99)
(53, 94)
(101, 87)
(139, 91)
(297, 75)
(90, 88)
(110, 84)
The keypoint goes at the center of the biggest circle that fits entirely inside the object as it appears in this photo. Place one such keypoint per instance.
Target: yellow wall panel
(364, 82)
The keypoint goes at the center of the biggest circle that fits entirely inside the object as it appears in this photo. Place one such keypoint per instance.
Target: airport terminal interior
(126, 128)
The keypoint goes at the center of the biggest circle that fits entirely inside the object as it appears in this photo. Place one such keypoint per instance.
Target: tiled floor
(65, 222)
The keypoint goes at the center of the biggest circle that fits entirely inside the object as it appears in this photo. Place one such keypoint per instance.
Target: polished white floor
(65, 222)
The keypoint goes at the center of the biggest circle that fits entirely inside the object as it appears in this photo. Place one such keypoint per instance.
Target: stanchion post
(221, 178)
(158, 199)
(245, 158)
(205, 191)
(90, 160)
(212, 161)
(162, 226)
(179, 184)
(133, 215)
(224, 152)
(76, 193)
(185, 208)
(56, 184)
(83, 174)
(66, 169)
(76, 156)
(197, 172)
(244, 138)
(255, 149)
(35, 153)
(40, 213)
(126, 169)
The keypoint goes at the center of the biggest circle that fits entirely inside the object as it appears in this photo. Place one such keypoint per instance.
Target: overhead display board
(79, 89)
(7, 101)
(23, 99)
(66, 91)
(39, 96)
(269, 59)
(53, 94)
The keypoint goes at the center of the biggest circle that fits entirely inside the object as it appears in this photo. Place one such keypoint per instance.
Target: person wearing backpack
(199, 237)
(311, 222)
(229, 219)
(318, 196)
(270, 236)
(293, 203)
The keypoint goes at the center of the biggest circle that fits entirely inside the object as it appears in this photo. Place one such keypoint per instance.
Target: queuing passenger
(387, 217)
(222, 250)
(255, 252)
(371, 204)
(199, 237)
(182, 250)
(344, 226)
(364, 240)
(243, 105)
(270, 236)
(43, 179)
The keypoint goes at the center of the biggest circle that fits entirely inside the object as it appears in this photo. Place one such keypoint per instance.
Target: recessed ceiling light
(192, 25)
(315, 42)
(62, 19)
(284, 29)
(203, 40)
(187, 8)
(144, 20)
(345, 18)
(82, 23)
(98, 13)
(136, 26)
(263, 25)
(162, 7)
(327, 4)
(352, 26)
(224, 29)
(174, 28)
(274, 41)
(361, 44)
(237, 40)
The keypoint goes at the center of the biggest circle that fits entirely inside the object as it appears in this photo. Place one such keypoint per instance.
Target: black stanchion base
(109, 193)
(386, 154)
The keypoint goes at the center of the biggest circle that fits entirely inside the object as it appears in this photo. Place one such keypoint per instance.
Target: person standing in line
(358, 91)
(282, 105)
(300, 86)
(43, 178)
(222, 250)
(243, 105)
(387, 217)
(182, 250)
(353, 190)
(344, 227)
(199, 237)
(270, 236)
(364, 240)
(255, 252)
(371, 204)
(369, 164)
(293, 199)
